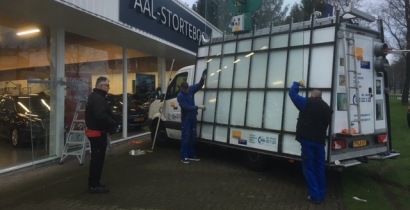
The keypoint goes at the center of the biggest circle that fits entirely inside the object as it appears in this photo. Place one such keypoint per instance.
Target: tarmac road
(158, 180)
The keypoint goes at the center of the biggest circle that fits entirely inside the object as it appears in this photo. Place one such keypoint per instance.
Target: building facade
(52, 52)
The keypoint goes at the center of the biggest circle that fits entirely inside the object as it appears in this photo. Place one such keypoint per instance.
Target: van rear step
(346, 163)
(383, 156)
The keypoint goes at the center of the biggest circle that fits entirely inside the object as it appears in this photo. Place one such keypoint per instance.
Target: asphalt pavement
(158, 180)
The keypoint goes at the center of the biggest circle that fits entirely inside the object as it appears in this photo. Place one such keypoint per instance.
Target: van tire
(162, 137)
(255, 161)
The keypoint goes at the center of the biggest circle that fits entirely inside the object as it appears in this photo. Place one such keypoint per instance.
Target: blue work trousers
(313, 163)
(188, 138)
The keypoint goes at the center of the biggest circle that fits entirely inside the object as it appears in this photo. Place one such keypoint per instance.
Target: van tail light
(338, 144)
(382, 138)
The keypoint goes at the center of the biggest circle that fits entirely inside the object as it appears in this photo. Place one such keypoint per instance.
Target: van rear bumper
(340, 165)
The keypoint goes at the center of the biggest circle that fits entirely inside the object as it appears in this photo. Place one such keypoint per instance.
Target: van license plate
(359, 143)
(139, 119)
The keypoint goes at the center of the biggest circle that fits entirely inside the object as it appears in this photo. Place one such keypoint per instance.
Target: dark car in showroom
(137, 116)
(23, 118)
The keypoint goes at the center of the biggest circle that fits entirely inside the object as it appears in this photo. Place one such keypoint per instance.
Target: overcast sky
(190, 2)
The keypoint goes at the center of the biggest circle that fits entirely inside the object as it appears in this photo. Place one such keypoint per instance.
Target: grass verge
(385, 185)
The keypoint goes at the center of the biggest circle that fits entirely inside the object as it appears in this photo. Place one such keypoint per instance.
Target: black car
(137, 116)
(24, 118)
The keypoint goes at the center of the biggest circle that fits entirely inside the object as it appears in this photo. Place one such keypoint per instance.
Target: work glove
(301, 82)
(201, 107)
(204, 73)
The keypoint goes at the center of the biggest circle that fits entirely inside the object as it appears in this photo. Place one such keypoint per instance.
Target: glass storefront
(24, 54)
(29, 84)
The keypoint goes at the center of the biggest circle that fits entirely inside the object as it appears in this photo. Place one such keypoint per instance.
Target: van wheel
(255, 161)
(162, 137)
(15, 138)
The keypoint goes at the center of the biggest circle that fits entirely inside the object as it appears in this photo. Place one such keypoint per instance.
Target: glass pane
(213, 73)
(277, 69)
(37, 106)
(279, 41)
(142, 89)
(207, 131)
(86, 60)
(238, 111)
(221, 133)
(255, 109)
(261, 43)
(209, 102)
(216, 50)
(244, 46)
(21, 57)
(295, 70)
(273, 110)
(299, 38)
(226, 74)
(203, 51)
(201, 64)
(258, 70)
(322, 58)
(241, 72)
(222, 112)
(229, 48)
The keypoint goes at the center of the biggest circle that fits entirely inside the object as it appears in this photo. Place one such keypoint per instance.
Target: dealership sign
(164, 19)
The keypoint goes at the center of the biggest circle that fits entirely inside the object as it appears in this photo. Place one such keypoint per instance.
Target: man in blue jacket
(314, 118)
(188, 117)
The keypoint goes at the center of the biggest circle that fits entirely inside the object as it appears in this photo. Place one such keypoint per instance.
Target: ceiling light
(250, 54)
(237, 61)
(264, 48)
(209, 60)
(28, 32)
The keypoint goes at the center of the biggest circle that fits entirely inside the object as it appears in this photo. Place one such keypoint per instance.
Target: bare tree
(396, 17)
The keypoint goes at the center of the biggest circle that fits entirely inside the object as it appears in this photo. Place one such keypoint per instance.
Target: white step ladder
(349, 52)
(76, 142)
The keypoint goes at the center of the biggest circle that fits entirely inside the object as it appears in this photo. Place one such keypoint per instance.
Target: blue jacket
(187, 103)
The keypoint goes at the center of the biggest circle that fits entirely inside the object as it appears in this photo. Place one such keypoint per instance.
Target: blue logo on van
(261, 140)
(242, 141)
(365, 64)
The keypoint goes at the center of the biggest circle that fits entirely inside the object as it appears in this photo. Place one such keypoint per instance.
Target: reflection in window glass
(21, 57)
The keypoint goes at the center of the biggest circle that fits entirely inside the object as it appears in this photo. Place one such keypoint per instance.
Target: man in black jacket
(314, 118)
(100, 122)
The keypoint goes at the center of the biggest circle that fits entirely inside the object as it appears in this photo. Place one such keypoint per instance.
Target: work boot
(98, 189)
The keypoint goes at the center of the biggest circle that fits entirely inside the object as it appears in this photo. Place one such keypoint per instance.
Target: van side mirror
(158, 94)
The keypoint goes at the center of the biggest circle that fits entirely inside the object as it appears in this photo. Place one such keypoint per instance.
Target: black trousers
(98, 148)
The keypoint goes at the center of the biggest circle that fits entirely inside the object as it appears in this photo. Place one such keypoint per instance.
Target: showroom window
(24, 55)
